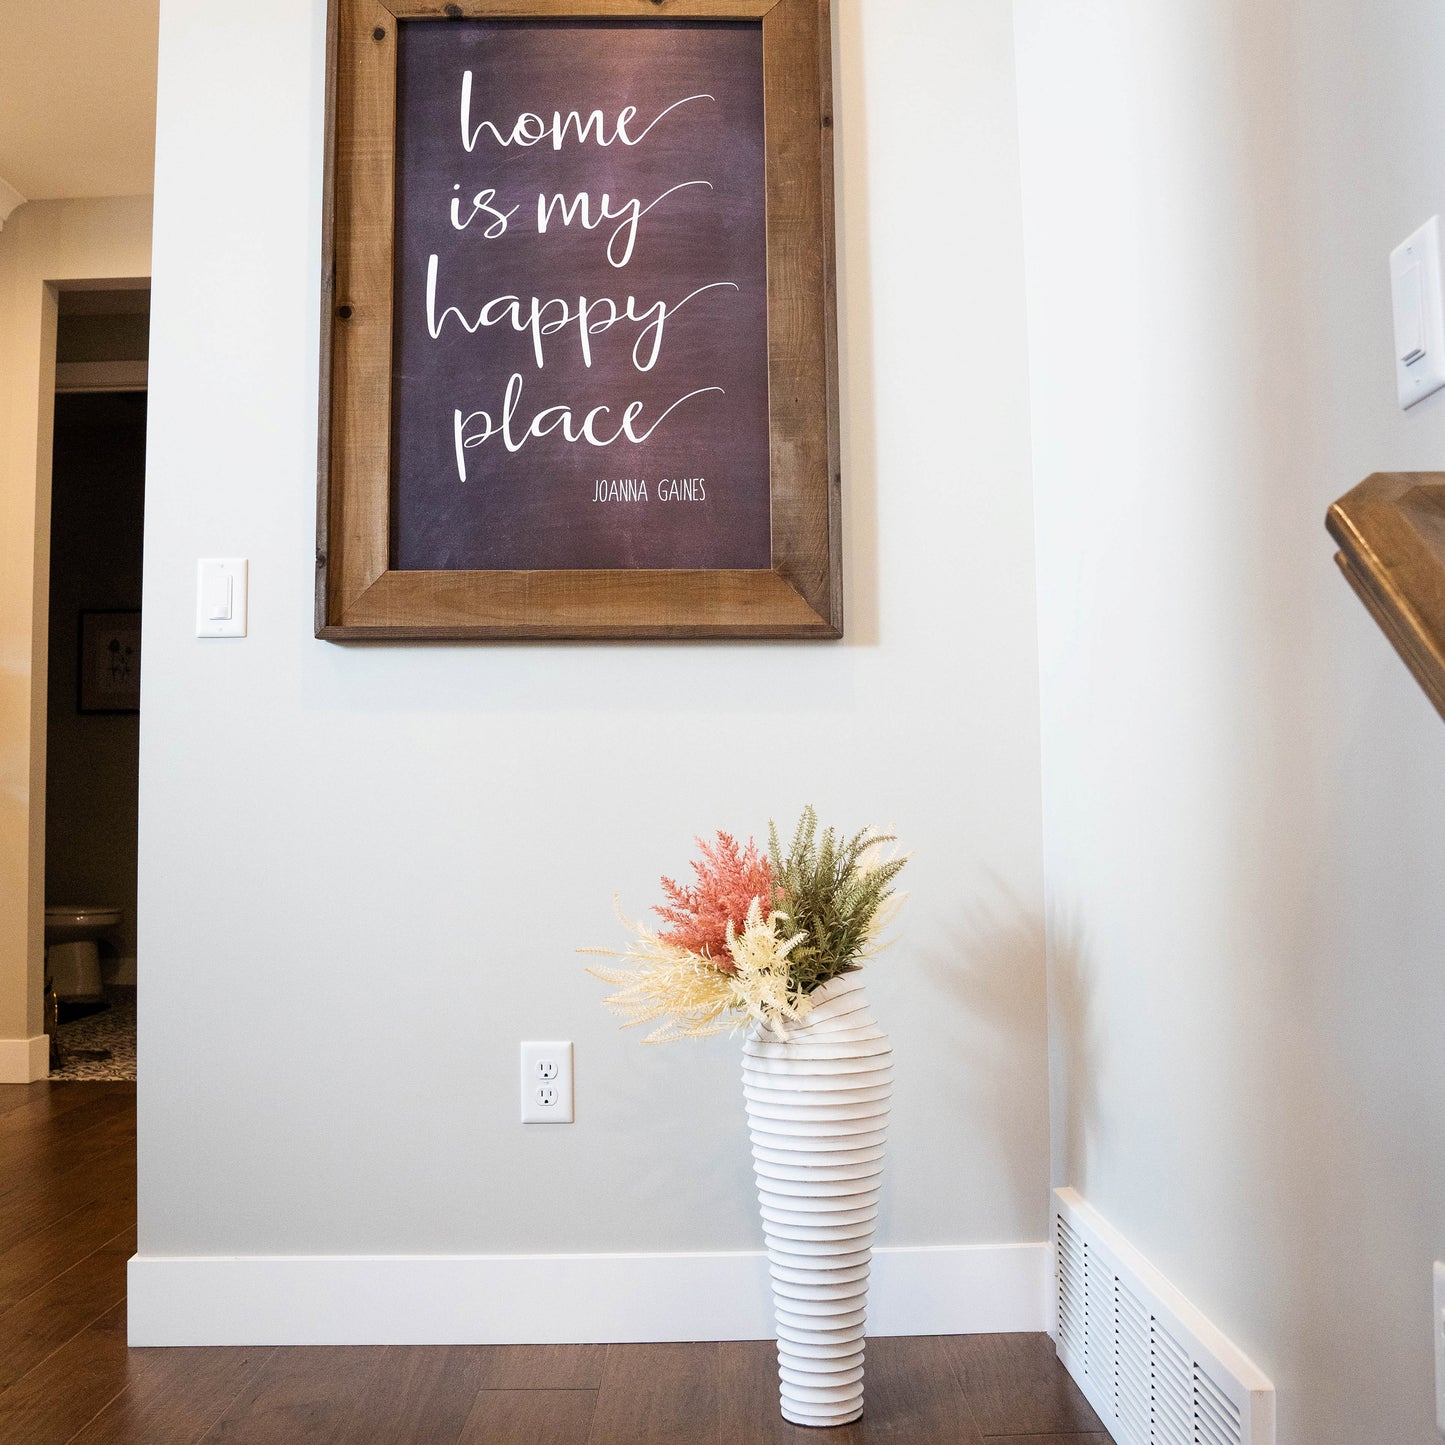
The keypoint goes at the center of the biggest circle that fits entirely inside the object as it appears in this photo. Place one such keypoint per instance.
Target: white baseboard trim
(23, 1061)
(557, 1299)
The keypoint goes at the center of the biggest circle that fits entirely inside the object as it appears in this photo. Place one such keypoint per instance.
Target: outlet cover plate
(547, 1074)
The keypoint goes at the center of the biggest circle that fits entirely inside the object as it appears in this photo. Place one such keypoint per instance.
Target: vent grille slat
(1206, 1434)
(1171, 1385)
(1134, 1390)
(1132, 1373)
(1137, 1352)
(1221, 1402)
(1169, 1347)
(1173, 1392)
(1211, 1425)
(1172, 1412)
(1072, 1296)
(1133, 1413)
(1166, 1433)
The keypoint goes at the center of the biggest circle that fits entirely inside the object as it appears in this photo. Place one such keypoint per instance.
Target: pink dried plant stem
(728, 878)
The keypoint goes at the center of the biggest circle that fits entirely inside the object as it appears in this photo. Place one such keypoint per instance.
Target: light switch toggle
(218, 602)
(221, 597)
(1410, 314)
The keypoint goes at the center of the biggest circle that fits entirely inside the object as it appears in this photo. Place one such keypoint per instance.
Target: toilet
(72, 959)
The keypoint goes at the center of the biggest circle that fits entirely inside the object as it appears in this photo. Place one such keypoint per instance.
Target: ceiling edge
(9, 199)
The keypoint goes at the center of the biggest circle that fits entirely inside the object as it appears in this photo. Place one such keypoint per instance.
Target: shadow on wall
(856, 382)
(1073, 1051)
(994, 972)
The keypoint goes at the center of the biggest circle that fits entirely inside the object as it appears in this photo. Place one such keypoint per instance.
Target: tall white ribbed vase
(817, 1099)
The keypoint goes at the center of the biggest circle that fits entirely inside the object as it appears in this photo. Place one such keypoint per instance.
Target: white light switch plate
(547, 1083)
(221, 597)
(1419, 314)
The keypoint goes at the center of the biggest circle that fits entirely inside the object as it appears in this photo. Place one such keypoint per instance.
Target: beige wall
(79, 88)
(1244, 788)
(43, 243)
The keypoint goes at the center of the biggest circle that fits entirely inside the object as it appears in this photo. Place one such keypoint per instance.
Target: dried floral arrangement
(754, 935)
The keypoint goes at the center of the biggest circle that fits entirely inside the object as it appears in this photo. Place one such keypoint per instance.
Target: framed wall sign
(579, 356)
(108, 677)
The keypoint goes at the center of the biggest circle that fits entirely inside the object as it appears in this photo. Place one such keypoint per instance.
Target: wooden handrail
(1391, 531)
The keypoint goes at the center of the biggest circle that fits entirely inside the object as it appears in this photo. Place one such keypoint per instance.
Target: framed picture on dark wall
(579, 360)
(109, 670)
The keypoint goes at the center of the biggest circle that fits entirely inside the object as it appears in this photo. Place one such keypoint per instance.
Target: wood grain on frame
(1391, 532)
(582, 9)
(359, 596)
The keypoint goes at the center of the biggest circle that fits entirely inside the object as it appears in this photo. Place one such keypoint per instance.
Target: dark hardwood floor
(67, 1226)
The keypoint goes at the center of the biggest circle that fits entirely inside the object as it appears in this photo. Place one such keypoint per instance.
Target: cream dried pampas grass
(692, 994)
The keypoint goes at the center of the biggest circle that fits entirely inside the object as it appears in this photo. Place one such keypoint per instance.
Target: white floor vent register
(1154, 1368)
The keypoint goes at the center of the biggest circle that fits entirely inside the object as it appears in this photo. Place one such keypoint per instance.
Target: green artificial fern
(832, 890)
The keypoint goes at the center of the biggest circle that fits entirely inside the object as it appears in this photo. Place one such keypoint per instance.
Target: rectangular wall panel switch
(1419, 314)
(547, 1083)
(221, 597)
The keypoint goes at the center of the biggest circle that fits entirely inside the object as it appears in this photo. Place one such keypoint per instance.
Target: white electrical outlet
(1440, 1347)
(547, 1083)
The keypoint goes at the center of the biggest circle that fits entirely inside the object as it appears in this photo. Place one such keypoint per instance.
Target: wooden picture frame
(359, 594)
(108, 663)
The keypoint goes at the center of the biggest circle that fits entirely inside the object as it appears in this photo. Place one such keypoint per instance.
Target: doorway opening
(93, 684)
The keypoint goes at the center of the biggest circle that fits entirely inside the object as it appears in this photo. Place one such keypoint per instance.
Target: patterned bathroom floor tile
(112, 1031)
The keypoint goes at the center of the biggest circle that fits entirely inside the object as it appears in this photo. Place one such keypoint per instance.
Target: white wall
(43, 244)
(364, 869)
(1244, 789)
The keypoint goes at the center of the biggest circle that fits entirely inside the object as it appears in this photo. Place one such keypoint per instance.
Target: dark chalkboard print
(580, 352)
